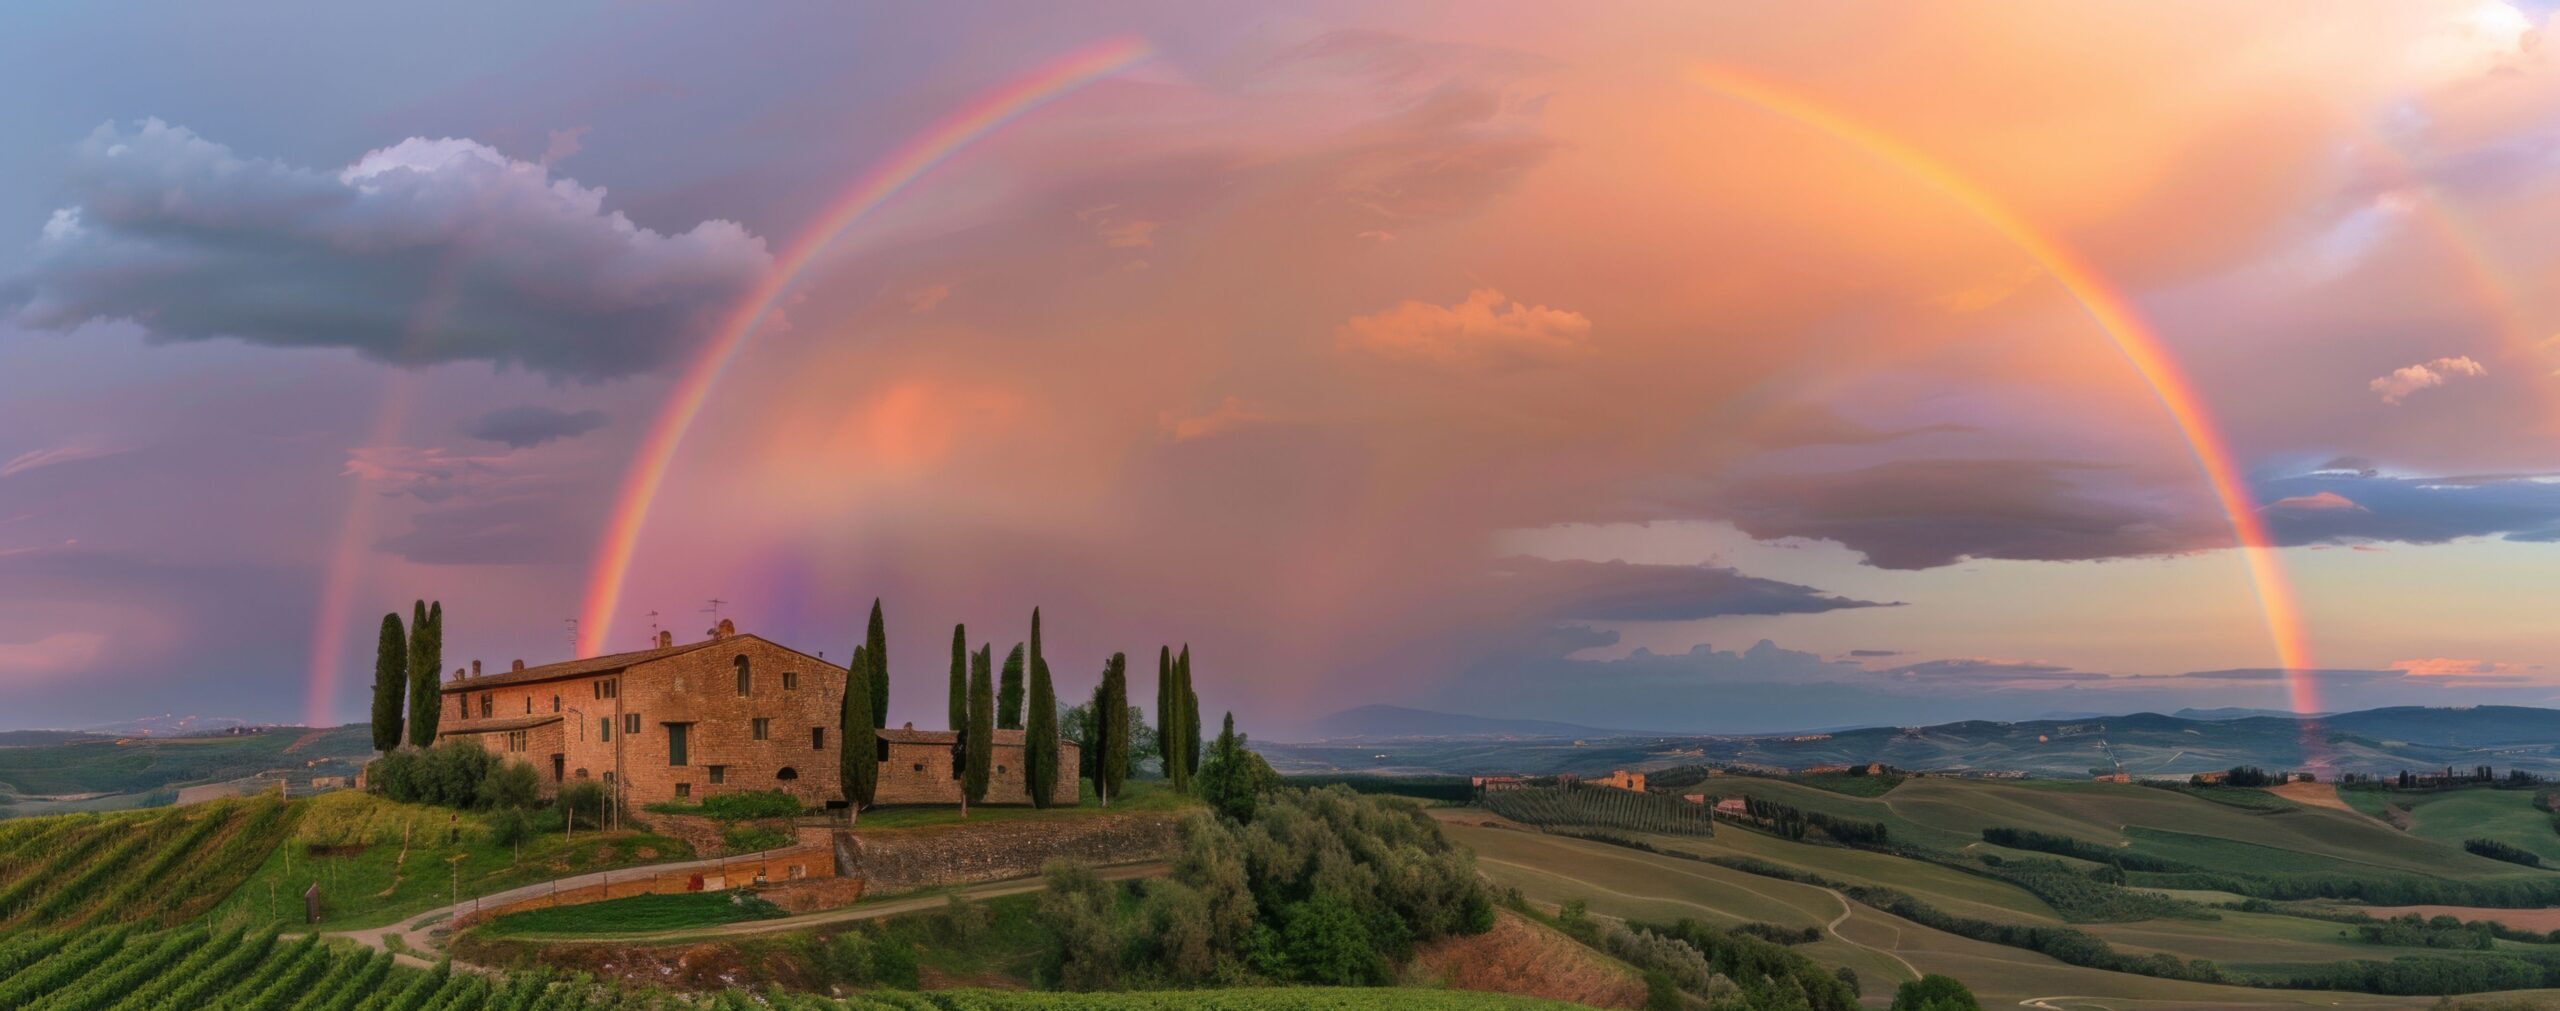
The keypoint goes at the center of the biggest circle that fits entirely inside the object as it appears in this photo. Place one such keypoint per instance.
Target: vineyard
(160, 867)
(1577, 806)
(122, 969)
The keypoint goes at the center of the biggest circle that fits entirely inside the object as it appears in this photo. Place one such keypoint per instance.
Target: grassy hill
(2147, 744)
(1937, 859)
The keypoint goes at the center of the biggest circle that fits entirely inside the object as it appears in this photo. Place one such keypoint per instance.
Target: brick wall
(697, 688)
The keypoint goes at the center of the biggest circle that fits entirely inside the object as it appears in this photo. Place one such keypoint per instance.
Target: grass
(1852, 786)
(2507, 816)
(1142, 796)
(408, 858)
(1620, 882)
(635, 914)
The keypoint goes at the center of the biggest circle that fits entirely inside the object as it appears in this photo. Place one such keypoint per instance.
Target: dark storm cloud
(423, 252)
(1621, 591)
(2336, 506)
(533, 425)
(1921, 514)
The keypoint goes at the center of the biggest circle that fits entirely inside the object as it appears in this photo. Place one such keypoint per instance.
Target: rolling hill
(2144, 744)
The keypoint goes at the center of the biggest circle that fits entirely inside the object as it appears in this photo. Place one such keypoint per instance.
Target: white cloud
(2410, 379)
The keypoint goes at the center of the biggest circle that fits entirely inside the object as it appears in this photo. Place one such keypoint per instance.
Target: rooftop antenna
(653, 628)
(714, 611)
(573, 637)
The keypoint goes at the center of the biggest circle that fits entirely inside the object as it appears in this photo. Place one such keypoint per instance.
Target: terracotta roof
(901, 735)
(610, 663)
(496, 725)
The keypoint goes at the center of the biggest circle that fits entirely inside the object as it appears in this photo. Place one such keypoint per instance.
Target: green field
(2265, 837)
(2507, 816)
(634, 914)
(1880, 947)
(2171, 824)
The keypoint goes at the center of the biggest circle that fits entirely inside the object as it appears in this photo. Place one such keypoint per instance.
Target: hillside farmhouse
(728, 714)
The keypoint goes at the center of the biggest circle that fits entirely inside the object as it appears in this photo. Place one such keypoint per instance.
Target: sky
(1710, 367)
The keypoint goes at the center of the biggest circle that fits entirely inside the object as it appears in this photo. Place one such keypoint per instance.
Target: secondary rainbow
(911, 161)
(2123, 325)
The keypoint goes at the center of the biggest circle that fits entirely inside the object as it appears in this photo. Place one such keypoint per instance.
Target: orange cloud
(1484, 328)
(2450, 667)
(2326, 501)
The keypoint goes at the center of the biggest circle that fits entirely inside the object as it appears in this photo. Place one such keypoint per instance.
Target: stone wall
(908, 859)
(921, 774)
(781, 869)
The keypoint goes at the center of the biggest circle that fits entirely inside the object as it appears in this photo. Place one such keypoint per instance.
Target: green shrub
(1934, 992)
(753, 804)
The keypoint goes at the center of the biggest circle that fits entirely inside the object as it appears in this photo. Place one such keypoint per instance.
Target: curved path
(412, 936)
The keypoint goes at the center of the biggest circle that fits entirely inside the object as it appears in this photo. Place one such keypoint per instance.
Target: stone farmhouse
(732, 713)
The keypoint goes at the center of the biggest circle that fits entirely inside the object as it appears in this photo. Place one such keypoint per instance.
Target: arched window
(787, 774)
(745, 680)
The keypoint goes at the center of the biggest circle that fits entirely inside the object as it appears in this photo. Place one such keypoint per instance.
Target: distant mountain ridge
(2417, 738)
(1383, 722)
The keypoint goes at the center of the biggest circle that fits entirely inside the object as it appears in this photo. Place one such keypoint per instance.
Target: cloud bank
(426, 251)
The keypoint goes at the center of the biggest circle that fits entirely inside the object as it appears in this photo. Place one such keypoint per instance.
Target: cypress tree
(857, 741)
(1111, 728)
(878, 641)
(1169, 721)
(390, 682)
(1009, 691)
(426, 672)
(1040, 738)
(959, 678)
(978, 742)
(1190, 713)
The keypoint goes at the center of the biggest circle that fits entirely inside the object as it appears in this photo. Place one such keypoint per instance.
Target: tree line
(1021, 695)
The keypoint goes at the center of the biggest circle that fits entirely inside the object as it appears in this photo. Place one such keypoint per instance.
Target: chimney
(666, 638)
(727, 628)
(475, 668)
(519, 665)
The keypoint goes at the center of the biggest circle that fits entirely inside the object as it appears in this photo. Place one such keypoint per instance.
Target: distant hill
(1386, 739)
(1391, 722)
(2230, 713)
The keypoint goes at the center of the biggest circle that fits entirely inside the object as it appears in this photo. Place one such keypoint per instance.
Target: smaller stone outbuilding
(924, 766)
